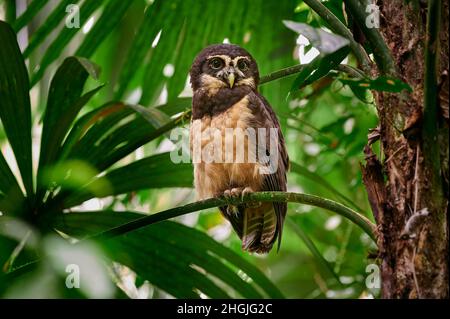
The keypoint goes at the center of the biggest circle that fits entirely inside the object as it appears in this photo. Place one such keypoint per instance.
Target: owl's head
(224, 65)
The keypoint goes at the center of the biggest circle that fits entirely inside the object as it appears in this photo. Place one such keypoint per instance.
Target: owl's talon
(236, 192)
(232, 210)
(246, 191)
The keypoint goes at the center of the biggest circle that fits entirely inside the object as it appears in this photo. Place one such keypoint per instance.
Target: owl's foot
(241, 192)
(245, 192)
(233, 193)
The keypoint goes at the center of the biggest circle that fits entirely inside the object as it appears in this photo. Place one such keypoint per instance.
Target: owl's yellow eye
(242, 65)
(216, 63)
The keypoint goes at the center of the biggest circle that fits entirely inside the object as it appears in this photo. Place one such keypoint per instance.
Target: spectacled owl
(224, 80)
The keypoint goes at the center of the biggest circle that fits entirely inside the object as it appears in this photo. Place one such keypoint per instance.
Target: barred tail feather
(259, 228)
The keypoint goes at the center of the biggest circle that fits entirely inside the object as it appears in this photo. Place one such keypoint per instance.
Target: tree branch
(338, 27)
(281, 73)
(380, 49)
(431, 104)
(354, 72)
(365, 224)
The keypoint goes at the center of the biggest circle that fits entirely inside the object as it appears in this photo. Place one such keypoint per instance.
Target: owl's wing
(265, 117)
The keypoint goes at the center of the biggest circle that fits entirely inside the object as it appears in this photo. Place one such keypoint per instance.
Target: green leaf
(171, 27)
(176, 258)
(306, 72)
(323, 41)
(110, 18)
(188, 45)
(8, 181)
(176, 106)
(382, 83)
(322, 262)
(33, 8)
(328, 63)
(361, 94)
(63, 38)
(11, 197)
(15, 110)
(157, 171)
(50, 24)
(318, 68)
(141, 45)
(63, 105)
(153, 115)
(103, 150)
(73, 175)
(93, 121)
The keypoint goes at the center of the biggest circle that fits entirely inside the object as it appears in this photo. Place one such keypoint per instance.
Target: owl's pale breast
(213, 178)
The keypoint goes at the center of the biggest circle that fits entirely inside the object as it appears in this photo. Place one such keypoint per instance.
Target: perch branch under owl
(364, 223)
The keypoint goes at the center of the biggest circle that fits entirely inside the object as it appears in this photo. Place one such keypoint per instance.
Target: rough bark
(408, 199)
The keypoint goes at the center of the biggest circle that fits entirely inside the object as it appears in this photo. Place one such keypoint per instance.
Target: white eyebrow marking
(236, 59)
(226, 58)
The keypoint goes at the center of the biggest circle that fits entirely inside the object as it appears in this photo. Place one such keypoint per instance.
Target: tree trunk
(408, 186)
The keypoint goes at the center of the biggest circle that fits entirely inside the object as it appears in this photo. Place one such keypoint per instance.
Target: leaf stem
(312, 247)
(338, 27)
(365, 224)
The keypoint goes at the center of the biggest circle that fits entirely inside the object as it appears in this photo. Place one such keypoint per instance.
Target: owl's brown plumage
(225, 79)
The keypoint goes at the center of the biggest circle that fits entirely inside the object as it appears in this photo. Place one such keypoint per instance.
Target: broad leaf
(98, 120)
(328, 63)
(7, 178)
(49, 25)
(63, 38)
(29, 14)
(148, 29)
(15, 110)
(333, 49)
(382, 83)
(112, 13)
(324, 41)
(176, 106)
(175, 257)
(157, 171)
(311, 247)
(63, 105)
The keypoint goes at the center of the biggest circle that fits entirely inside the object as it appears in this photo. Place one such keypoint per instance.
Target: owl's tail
(259, 229)
(256, 226)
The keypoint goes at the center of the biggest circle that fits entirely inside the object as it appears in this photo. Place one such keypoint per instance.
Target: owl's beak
(231, 78)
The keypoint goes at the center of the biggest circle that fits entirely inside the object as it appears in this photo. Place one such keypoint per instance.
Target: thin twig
(354, 72)
(350, 70)
(395, 153)
(416, 179)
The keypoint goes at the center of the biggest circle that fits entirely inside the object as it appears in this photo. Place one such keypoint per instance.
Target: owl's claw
(232, 194)
(241, 193)
(236, 192)
(232, 210)
(227, 194)
(246, 191)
